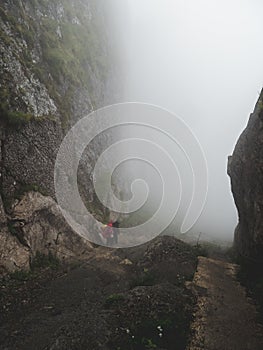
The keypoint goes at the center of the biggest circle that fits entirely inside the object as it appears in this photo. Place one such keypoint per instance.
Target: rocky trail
(225, 318)
(118, 299)
(158, 296)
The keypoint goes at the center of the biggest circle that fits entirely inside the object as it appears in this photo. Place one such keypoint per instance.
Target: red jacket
(108, 231)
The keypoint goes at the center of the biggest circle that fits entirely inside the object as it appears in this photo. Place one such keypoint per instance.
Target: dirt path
(225, 318)
(115, 300)
(56, 313)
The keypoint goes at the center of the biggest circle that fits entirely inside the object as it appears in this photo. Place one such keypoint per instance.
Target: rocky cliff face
(56, 65)
(246, 171)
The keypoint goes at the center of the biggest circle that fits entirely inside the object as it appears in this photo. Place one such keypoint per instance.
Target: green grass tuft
(113, 299)
(44, 261)
(144, 279)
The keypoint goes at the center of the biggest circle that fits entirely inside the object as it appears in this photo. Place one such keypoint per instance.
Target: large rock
(28, 157)
(245, 168)
(37, 226)
(43, 228)
(13, 255)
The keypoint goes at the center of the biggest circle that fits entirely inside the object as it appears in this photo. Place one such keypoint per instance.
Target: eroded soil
(225, 318)
(118, 299)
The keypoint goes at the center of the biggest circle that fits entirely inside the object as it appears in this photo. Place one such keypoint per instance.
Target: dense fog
(201, 60)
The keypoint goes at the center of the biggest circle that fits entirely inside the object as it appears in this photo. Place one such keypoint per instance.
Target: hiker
(115, 226)
(108, 234)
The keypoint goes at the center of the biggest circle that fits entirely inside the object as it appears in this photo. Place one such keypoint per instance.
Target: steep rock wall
(55, 67)
(245, 168)
(57, 64)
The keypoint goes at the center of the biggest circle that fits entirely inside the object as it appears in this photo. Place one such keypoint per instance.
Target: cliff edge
(245, 168)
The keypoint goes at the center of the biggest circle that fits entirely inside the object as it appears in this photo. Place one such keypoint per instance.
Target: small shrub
(148, 343)
(28, 188)
(7, 202)
(21, 275)
(113, 299)
(157, 333)
(201, 250)
(147, 278)
(18, 118)
(11, 228)
(260, 104)
(14, 118)
(41, 261)
(260, 108)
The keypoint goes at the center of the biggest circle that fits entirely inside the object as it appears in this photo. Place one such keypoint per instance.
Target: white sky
(203, 60)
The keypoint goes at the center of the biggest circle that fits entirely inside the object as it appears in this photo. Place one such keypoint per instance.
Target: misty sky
(201, 60)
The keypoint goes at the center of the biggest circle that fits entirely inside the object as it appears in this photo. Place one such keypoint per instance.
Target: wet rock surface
(57, 65)
(245, 168)
(36, 226)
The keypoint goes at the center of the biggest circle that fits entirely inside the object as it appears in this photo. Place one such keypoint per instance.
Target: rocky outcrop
(28, 158)
(56, 66)
(13, 255)
(245, 168)
(37, 226)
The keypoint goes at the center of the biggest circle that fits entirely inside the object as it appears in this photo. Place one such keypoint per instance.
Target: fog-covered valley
(201, 61)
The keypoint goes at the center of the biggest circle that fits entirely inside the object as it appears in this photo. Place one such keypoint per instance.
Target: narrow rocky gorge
(59, 61)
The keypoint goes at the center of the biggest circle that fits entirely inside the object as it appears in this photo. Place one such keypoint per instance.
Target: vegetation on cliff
(60, 45)
(55, 62)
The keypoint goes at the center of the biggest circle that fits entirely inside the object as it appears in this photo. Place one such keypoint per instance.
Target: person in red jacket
(108, 234)
(115, 226)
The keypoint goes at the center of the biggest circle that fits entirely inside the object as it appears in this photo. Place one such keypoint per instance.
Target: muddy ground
(225, 317)
(117, 299)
